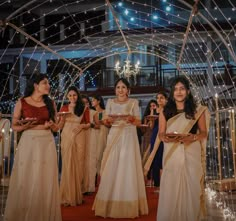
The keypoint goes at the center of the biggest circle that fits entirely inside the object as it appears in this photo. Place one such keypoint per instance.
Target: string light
(145, 25)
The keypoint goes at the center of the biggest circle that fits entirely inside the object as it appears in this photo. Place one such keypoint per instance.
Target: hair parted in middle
(123, 80)
(190, 104)
(79, 107)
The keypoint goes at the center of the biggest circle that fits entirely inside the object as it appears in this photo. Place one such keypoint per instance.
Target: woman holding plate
(156, 167)
(34, 190)
(183, 127)
(147, 131)
(101, 139)
(121, 193)
(73, 146)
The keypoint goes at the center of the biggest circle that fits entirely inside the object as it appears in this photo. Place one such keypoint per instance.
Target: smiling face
(42, 87)
(121, 90)
(72, 96)
(180, 92)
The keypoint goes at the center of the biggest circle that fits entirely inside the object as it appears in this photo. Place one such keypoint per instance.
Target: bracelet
(194, 137)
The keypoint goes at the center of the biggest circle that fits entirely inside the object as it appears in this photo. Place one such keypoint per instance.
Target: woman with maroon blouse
(34, 190)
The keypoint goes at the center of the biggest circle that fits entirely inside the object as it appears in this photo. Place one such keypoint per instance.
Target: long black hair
(147, 109)
(30, 89)
(190, 104)
(84, 96)
(100, 99)
(79, 106)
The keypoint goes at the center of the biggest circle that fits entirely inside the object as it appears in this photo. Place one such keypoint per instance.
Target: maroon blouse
(29, 111)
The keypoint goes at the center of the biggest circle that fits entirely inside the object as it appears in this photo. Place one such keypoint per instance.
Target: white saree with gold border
(181, 190)
(121, 192)
(73, 147)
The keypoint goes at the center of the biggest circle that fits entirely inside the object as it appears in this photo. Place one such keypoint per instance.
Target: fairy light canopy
(73, 41)
(79, 42)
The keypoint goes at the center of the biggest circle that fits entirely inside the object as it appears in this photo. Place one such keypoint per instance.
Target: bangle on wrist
(194, 137)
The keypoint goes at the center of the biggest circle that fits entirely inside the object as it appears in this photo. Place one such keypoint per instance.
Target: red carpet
(84, 212)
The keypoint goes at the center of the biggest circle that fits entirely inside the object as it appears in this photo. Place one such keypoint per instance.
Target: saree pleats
(73, 157)
(121, 192)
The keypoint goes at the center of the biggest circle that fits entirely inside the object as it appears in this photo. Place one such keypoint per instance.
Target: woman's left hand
(51, 125)
(48, 124)
(85, 126)
(130, 119)
(188, 139)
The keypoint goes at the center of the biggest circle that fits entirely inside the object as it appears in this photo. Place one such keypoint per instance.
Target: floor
(220, 205)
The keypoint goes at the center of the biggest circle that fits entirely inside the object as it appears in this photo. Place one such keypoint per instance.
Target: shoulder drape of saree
(155, 148)
(185, 129)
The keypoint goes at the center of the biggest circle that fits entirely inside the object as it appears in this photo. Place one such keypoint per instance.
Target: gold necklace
(36, 100)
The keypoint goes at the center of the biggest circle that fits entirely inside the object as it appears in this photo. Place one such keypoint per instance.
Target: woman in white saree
(183, 129)
(121, 193)
(73, 146)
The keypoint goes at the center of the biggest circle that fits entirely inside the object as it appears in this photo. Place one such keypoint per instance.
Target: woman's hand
(80, 127)
(108, 121)
(131, 119)
(61, 121)
(48, 124)
(27, 125)
(168, 139)
(61, 118)
(51, 125)
(76, 130)
(84, 126)
(188, 139)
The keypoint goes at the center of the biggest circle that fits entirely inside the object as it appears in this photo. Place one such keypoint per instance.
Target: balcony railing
(160, 78)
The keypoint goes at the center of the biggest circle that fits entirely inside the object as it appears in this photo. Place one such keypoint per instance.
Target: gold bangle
(195, 137)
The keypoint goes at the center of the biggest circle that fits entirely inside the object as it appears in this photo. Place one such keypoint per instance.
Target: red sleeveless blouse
(29, 111)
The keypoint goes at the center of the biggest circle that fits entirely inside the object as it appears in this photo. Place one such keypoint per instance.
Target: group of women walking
(104, 142)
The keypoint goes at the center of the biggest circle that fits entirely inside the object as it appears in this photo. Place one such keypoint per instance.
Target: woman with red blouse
(34, 190)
